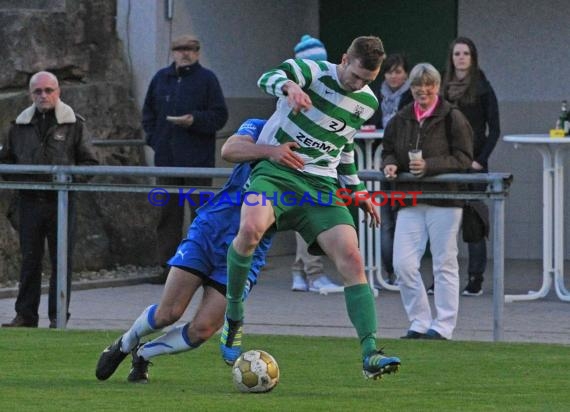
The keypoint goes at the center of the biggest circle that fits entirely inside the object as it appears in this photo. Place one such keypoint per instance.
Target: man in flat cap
(183, 109)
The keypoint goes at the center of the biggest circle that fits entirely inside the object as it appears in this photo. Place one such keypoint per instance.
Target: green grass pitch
(45, 370)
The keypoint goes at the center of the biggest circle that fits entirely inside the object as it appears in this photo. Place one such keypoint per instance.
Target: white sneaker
(299, 283)
(323, 284)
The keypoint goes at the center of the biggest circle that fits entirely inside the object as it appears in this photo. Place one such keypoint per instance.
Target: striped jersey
(326, 131)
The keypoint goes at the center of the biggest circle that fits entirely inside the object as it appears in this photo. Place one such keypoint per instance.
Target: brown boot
(21, 322)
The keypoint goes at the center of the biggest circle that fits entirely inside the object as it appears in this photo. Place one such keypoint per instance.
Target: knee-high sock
(174, 341)
(362, 313)
(142, 326)
(238, 268)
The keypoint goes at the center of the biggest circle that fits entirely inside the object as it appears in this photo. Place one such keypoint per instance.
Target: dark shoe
(474, 287)
(109, 360)
(20, 322)
(391, 279)
(433, 335)
(139, 369)
(430, 290)
(412, 334)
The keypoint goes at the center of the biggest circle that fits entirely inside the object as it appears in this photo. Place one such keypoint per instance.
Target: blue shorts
(204, 252)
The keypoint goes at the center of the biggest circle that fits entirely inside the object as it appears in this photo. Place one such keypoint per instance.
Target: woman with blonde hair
(442, 139)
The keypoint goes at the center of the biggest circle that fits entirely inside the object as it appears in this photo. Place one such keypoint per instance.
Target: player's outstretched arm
(242, 148)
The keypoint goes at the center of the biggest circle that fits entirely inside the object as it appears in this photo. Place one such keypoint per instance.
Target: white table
(370, 239)
(551, 150)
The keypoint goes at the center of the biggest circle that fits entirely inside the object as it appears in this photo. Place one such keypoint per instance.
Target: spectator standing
(48, 132)
(308, 270)
(184, 107)
(466, 86)
(445, 138)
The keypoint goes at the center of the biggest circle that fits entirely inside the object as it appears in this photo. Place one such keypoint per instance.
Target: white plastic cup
(415, 154)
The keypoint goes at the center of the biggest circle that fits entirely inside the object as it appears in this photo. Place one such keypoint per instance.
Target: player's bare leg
(179, 288)
(189, 336)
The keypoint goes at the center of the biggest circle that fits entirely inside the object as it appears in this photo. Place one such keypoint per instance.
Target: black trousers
(38, 222)
(169, 229)
(477, 250)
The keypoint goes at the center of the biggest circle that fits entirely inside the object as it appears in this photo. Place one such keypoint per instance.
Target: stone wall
(76, 40)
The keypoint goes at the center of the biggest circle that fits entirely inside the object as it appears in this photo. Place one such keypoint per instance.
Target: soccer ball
(255, 371)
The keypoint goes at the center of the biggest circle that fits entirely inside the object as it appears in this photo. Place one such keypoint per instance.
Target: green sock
(362, 313)
(238, 268)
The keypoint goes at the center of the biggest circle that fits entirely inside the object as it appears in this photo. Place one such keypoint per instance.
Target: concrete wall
(523, 49)
(142, 28)
(239, 39)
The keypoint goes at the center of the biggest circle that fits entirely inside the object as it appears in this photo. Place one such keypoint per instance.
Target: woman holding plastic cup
(428, 137)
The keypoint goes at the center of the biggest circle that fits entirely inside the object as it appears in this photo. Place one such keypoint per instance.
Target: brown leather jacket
(442, 153)
(64, 143)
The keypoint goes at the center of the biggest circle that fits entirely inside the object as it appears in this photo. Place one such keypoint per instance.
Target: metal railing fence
(497, 191)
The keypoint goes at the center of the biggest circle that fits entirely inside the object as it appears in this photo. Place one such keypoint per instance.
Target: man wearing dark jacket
(183, 109)
(48, 132)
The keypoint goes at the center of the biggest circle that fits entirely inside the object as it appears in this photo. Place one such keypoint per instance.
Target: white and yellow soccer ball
(255, 371)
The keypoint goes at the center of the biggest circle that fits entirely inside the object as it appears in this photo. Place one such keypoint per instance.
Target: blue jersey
(210, 234)
(227, 201)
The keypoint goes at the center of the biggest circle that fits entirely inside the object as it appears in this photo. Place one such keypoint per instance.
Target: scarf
(457, 88)
(391, 100)
(422, 114)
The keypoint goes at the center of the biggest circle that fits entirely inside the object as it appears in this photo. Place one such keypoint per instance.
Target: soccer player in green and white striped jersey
(320, 108)
(326, 131)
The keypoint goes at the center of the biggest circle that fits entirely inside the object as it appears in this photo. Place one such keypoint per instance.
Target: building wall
(523, 49)
(239, 39)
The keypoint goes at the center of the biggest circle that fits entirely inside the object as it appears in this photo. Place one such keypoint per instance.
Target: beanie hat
(310, 48)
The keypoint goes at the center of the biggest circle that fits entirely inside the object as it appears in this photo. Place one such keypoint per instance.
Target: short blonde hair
(424, 73)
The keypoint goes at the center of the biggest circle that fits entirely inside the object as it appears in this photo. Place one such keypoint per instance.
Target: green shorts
(302, 202)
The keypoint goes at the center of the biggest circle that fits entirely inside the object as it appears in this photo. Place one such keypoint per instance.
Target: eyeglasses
(422, 86)
(39, 92)
(186, 48)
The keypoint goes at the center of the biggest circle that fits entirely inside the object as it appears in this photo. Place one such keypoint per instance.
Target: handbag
(475, 224)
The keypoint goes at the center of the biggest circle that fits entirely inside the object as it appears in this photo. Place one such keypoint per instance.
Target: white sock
(142, 326)
(174, 341)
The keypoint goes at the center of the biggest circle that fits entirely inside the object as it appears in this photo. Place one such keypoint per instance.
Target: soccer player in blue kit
(200, 261)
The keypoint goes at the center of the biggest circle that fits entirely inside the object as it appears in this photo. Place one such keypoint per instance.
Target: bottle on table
(563, 122)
